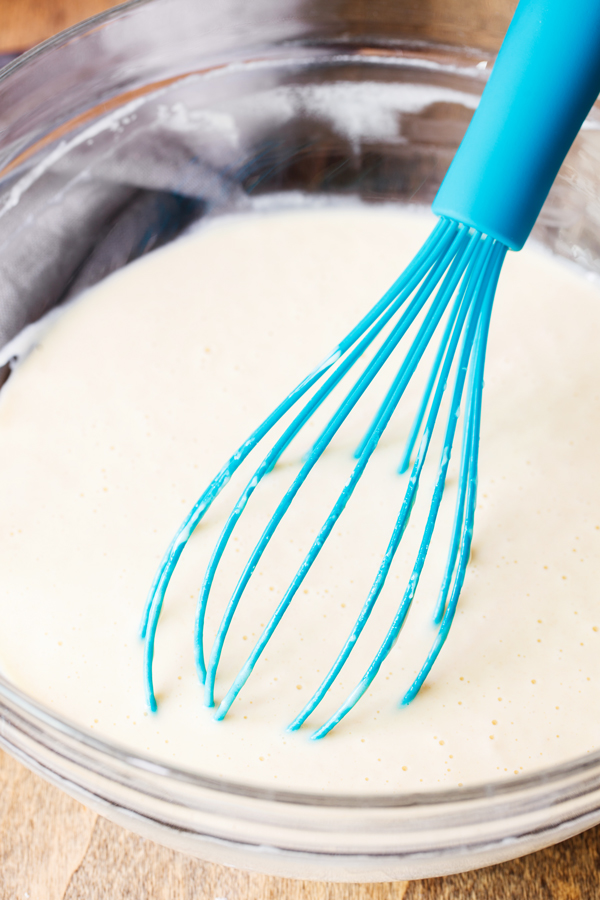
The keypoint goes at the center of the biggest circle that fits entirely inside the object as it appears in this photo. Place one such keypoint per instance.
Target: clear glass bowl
(113, 137)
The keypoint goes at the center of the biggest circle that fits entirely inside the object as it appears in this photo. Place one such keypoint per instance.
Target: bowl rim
(502, 788)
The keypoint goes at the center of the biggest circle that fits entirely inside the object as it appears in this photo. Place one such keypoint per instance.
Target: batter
(117, 420)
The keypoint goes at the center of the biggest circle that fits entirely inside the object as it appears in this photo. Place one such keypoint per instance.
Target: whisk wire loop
(422, 262)
(455, 262)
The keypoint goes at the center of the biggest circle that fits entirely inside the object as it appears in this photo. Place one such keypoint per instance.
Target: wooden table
(52, 848)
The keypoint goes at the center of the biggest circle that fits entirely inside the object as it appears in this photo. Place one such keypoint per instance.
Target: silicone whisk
(542, 86)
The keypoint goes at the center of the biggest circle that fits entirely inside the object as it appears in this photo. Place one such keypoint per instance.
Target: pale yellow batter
(115, 423)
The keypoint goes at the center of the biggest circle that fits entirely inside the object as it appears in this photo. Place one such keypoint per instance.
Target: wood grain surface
(52, 848)
(24, 23)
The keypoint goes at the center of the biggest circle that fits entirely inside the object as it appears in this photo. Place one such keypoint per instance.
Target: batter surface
(115, 423)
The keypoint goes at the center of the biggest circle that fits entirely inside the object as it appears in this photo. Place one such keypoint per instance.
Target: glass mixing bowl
(114, 136)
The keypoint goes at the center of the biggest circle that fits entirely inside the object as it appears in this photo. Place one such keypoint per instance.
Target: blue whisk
(543, 84)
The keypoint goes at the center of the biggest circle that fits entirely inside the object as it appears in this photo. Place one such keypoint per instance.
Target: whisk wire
(435, 368)
(446, 352)
(453, 242)
(469, 462)
(464, 249)
(401, 381)
(449, 344)
(475, 300)
(468, 483)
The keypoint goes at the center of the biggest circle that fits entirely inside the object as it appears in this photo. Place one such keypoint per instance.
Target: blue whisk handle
(543, 84)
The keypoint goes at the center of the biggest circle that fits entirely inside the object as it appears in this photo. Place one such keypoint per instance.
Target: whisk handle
(543, 84)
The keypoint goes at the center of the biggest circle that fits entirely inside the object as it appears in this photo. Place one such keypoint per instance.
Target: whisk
(543, 84)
